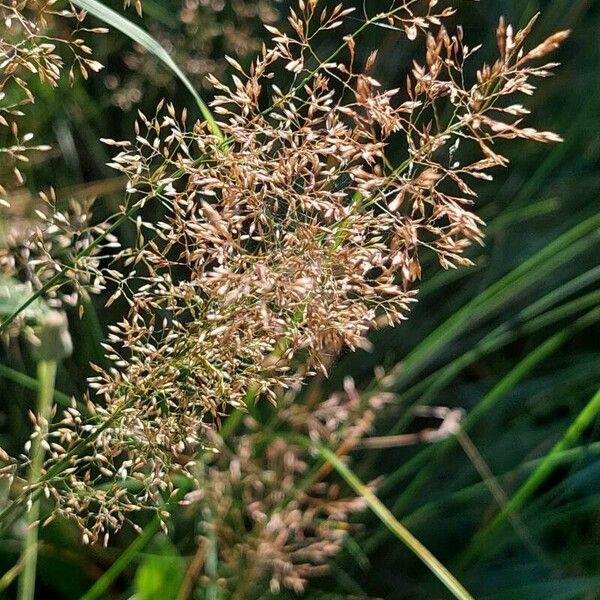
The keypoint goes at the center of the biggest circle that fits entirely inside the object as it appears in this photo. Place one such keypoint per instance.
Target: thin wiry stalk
(46, 378)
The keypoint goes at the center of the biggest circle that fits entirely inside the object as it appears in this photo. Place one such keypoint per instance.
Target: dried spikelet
(38, 247)
(30, 45)
(55, 238)
(549, 45)
(136, 3)
(33, 44)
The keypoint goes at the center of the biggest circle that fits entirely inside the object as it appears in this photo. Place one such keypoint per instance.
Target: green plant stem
(101, 586)
(211, 564)
(46, 377)
(533, 482)
(387, 518)
(10, 575)
(32, 384)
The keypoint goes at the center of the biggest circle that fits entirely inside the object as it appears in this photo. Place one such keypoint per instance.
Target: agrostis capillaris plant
(286, 233)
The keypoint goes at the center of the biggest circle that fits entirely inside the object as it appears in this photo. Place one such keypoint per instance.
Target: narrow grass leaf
(575, 241)
(535, 480)
(138, 35)
(423, 461)
(388, 519)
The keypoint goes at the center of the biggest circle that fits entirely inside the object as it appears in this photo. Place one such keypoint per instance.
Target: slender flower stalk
(54, 345)
(46, 375)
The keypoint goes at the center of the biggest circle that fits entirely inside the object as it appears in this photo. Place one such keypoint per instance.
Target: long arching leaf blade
(138, 35)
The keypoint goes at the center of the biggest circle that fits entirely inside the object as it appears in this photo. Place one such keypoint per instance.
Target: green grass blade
(477, 490)
(388, 519)
(551, 257)
(424, 461)
(517, 373)
(500, 337)
(577, 240)
(138, 35)
(568, 588)
(533, 482)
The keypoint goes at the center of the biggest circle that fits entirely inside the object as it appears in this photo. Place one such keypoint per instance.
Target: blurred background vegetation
(513, 341)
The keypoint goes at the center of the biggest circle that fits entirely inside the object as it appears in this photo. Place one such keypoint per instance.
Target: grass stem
(46, 377)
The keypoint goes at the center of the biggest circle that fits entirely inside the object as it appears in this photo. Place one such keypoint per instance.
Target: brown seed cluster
(296, 235)
(40, 237)
(262, 254)
(294, 520)
(35, 246)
